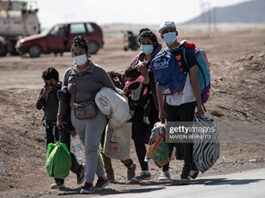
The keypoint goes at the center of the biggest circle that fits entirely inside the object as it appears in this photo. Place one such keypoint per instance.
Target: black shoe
(194, 171)
(87, 189)
(111, 178)
(194, 174)
(131, 171)
(101, 183)
(185, 181)
(185, 171)
(80, 175)
(143, 176)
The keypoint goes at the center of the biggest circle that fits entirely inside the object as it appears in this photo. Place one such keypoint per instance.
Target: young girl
(139, 92)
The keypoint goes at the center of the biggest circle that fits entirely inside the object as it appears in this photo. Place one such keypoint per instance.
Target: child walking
(48, 101)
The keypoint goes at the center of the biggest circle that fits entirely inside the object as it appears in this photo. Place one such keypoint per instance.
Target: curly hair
(147, 33)
(80, 42)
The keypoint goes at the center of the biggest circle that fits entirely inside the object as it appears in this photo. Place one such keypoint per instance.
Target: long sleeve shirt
(88, 83)
(48, 104)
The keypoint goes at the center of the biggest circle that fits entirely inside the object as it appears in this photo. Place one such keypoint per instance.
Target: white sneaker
(164, 176)
(57, 186)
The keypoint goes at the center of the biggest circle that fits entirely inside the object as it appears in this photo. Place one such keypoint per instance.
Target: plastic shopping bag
(58, 160)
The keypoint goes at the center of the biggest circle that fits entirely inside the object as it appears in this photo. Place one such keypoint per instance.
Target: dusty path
(237, 94)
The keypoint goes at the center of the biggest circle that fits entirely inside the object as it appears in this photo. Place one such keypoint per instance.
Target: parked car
(59, 39)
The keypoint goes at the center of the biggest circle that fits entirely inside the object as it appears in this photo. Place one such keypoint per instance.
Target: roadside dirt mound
(21, 139)
(22, 134)
(238, 88)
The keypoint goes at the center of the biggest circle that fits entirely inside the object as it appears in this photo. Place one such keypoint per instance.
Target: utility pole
(214, 19)
(209, 16)
(202, 5)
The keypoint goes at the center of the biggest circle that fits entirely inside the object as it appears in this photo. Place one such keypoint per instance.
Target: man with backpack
(179, 96)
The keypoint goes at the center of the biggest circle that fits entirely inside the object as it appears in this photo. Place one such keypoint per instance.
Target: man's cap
(165, 25)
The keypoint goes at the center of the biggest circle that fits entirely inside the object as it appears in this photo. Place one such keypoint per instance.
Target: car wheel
(34, 51)
(3, 49)
(93, 47)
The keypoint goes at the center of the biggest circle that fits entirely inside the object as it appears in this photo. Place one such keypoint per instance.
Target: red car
(60, 37)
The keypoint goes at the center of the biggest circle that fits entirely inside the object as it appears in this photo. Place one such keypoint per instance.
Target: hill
(246, 12)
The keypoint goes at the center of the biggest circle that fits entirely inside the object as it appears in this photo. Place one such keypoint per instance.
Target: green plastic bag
(58, 160)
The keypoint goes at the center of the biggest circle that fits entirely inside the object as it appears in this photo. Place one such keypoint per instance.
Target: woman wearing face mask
(82, 81)
(140, 130)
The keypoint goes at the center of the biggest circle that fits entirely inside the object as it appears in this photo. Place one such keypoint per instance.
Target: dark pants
(171, 147)
(52, 136)
(184, 112)
(107, 161)
(141, 132)
(144, 103)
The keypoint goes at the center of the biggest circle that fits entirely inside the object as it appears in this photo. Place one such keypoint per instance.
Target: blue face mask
(170, 37)
(147, 49)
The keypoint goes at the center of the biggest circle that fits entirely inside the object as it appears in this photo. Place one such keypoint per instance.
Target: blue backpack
(168, 73)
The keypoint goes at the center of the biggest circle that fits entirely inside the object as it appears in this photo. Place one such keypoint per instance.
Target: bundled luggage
(117, 142)
(205, 152)
(114, 105)
(157, 149)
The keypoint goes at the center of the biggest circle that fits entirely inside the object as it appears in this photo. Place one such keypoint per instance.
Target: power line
(208, 15)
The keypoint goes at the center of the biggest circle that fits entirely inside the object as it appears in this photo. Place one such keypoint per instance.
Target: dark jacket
(49, 104)
(140, 57)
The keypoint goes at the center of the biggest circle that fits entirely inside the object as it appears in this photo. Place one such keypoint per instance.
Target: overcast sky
(122, 11)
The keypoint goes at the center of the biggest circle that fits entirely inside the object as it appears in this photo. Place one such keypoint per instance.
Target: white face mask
(80, 60)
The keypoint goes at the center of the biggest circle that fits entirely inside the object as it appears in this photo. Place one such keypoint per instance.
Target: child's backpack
(168, 73)
(203, 69)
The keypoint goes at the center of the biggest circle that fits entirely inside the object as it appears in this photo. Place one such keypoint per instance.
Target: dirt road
(237, 94)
